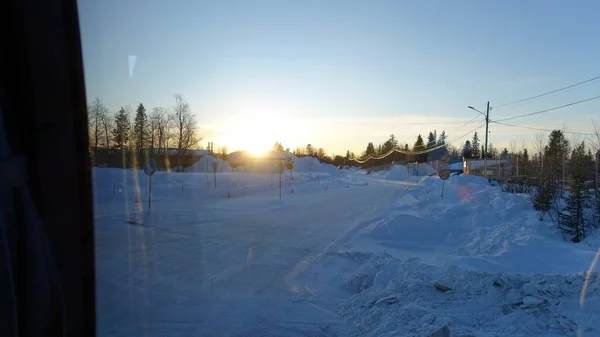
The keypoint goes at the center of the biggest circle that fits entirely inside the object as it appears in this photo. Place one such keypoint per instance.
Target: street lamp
(487, 120)
(472, 108)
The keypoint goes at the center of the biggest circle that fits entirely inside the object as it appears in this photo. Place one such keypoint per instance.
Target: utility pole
(487, 122)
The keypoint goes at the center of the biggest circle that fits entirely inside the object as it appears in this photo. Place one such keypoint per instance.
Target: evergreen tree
(278, 147)
(310, 150)
(406, 147)
(430, 140)
(140, 128)
(419, 145)
(524, 166)
(120, 132)
(370, 149)
(555, 155)
(573, 220)
(467, 151)
(475, 147)
(389, 144)
(442, 139)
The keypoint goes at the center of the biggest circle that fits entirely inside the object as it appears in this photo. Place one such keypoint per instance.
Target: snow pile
(509, 273)
(205, 165)
(398, 173)
(311, 164)
(413, 298)
(425, 169)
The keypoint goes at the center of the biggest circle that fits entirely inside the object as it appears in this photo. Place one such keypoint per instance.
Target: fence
(496, 169)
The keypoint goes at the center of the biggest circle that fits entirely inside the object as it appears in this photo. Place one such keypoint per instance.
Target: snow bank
(399, 298)
(509, 273)
(205, 165)
(425, 169)
(311, 164)
(398, 173)
(267, 163)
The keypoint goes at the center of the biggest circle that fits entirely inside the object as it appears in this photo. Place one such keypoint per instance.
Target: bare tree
(224, 151)
(539, 143)
(595, 138)
(107, 125)
(158, 129)
(184, 124)
(98, 116)
(512, 146)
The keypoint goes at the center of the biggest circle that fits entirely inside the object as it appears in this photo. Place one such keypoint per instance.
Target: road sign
(280, 169)
(446, 159)
(444, 174)
(150, 167)
(214, 166)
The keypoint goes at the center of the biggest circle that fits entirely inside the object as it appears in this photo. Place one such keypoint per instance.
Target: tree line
(562, 179)
(312, 151)
(158, 132)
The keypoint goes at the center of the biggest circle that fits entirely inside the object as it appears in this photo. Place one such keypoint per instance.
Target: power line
(548, 93)
(369, 157)
(467, 123)
(539, 129)
(547, 110)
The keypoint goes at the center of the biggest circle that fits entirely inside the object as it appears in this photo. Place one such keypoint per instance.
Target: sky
(338, 74)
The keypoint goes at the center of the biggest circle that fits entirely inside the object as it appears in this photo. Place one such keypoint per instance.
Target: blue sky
(338, 74)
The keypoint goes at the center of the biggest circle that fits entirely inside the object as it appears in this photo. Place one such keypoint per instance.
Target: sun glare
(253, 133)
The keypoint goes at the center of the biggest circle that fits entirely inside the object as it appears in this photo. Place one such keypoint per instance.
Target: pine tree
(310, 150)
(389, 144)
(278, 147)
(430, 140)
(406, 147)
(121, 131)
(555, 155)
(140, 128)
(572, 220)
(475, 147)
(370, 149)
(524, 163)
(419, 145)
(442, 139)
(467, 151)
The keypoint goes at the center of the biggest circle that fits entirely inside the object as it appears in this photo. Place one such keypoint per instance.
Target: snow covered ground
(341, 254)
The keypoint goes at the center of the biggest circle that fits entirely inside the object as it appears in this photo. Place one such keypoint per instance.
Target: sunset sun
(255, 134)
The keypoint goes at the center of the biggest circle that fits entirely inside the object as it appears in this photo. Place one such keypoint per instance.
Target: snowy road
(214, 270)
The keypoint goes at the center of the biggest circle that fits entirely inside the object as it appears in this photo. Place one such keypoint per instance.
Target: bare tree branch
(185, 129)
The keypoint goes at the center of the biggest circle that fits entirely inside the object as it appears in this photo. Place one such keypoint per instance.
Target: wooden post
(150, 192)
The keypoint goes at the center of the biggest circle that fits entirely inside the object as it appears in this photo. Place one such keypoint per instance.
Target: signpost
(150, 169)
(214, 166)
(280, 169)
(444, 170)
